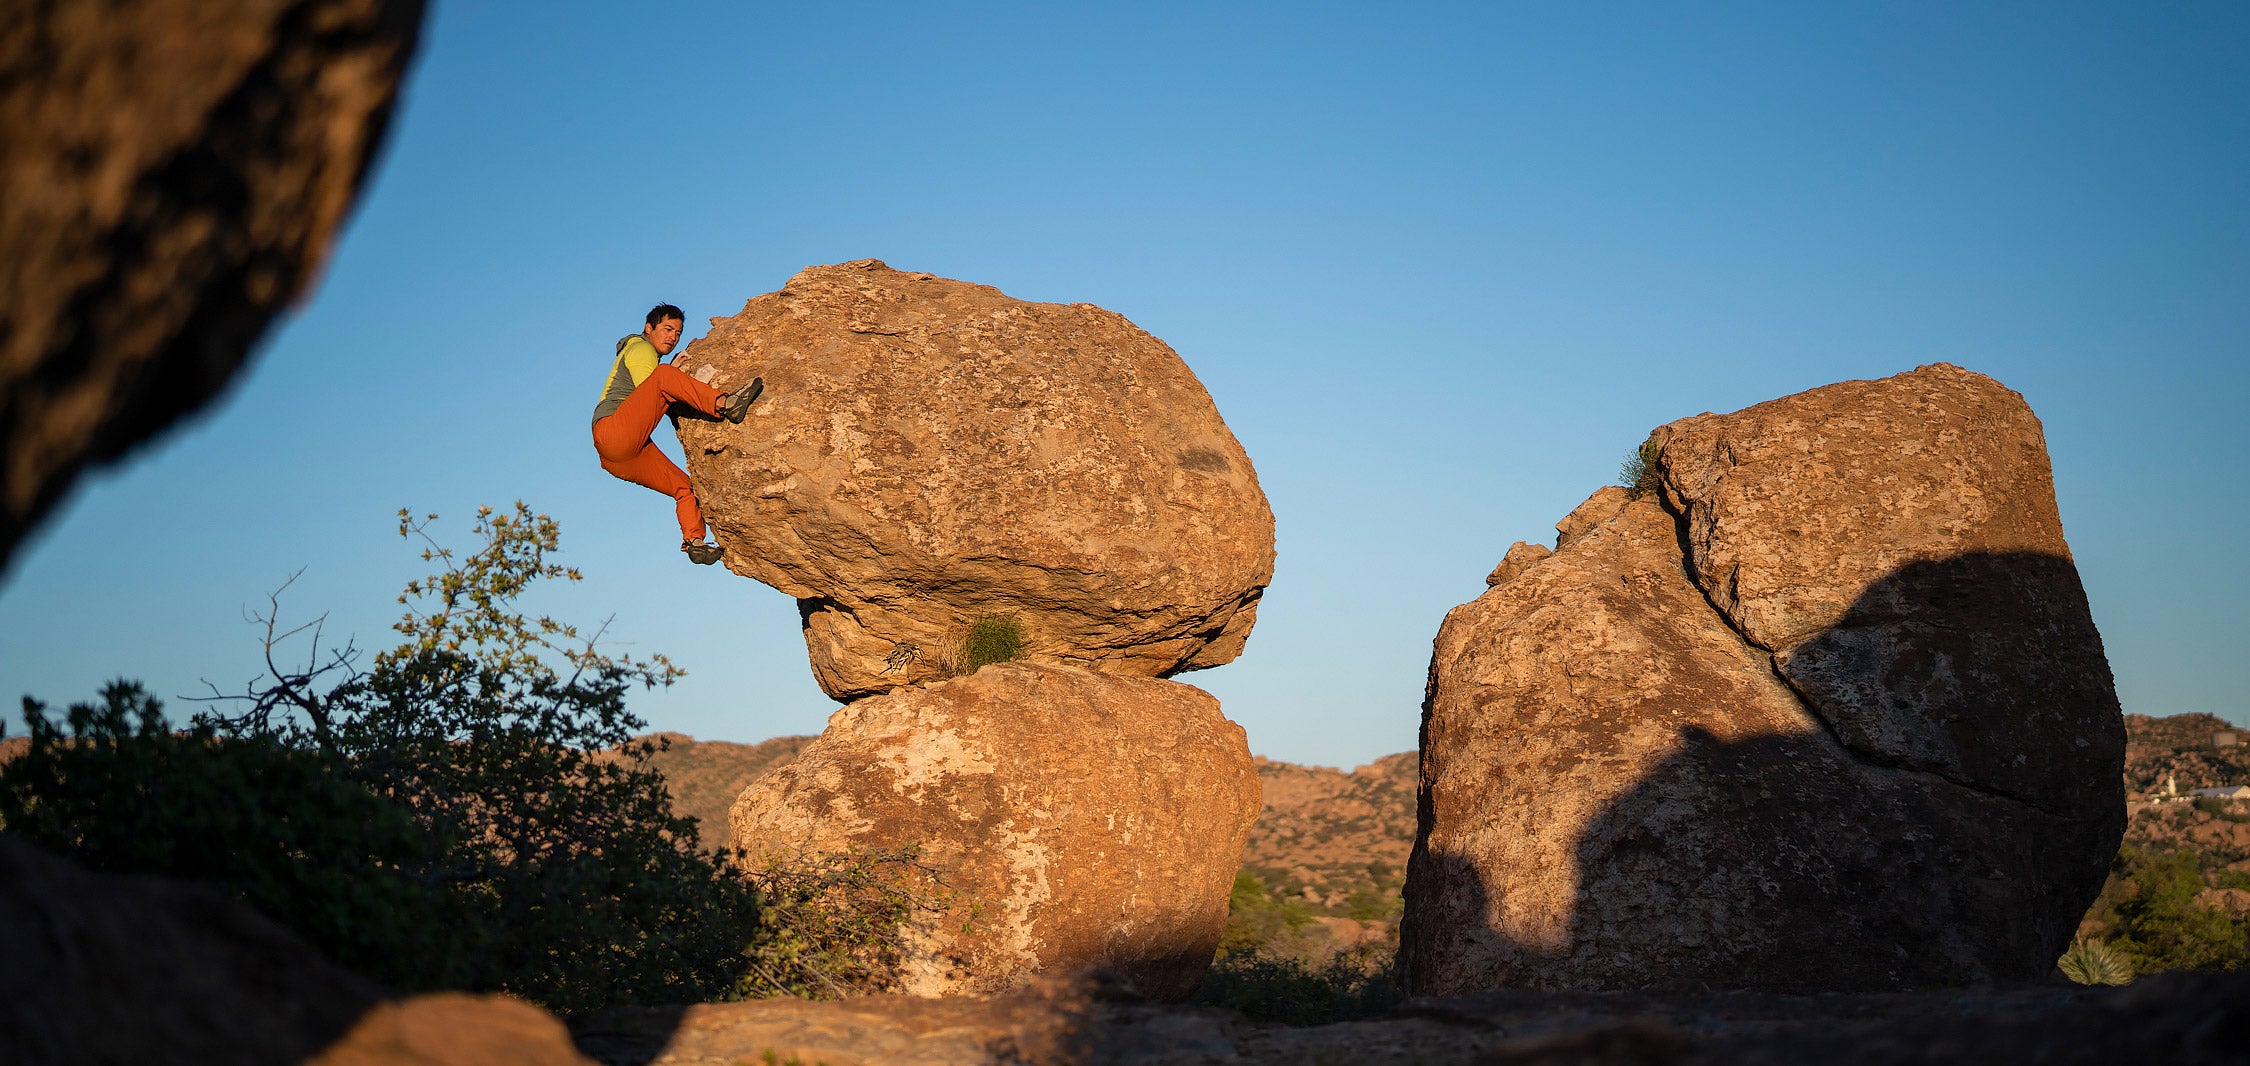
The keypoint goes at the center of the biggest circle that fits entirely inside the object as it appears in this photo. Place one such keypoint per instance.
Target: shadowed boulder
(1831, 715)
(171, 175)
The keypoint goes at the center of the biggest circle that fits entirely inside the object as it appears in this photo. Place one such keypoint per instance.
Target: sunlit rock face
(1076, 820)
(1829, 714)
(170, 177)
(930, 450)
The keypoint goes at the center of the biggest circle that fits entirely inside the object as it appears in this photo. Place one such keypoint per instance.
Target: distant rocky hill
(1334, 839)
(2186, 749)
(706, 775)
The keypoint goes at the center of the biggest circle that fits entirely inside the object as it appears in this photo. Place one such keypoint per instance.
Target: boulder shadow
(1945, 821)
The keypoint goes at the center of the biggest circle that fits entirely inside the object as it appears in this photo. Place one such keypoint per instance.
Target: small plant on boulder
(1641, 475)
(991, 638)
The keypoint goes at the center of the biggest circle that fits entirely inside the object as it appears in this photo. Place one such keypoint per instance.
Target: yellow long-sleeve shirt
(636, 360)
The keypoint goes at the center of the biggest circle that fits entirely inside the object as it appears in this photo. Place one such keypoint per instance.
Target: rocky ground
(2177, 1020)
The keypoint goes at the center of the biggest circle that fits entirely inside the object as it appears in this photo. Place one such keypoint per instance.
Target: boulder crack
(1871, 760)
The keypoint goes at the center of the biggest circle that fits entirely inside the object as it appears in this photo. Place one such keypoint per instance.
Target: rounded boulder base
(1076, 821)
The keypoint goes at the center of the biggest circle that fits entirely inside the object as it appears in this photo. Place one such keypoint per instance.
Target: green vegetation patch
(1265, 968)
(992, 638)
(2148, 914)
(443, 818)
(1641, 475)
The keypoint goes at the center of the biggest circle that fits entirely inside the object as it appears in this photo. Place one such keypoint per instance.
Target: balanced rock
(932, 451)
(1076, 820)
(170, 177)
(1831, 714)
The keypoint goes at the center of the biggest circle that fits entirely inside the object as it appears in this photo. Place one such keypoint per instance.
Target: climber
(640, 389)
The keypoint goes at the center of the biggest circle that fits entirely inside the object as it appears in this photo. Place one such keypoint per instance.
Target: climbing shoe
(701, 553)
(736, 406)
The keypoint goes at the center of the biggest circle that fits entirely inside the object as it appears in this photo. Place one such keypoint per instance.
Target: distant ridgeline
(2189, 751)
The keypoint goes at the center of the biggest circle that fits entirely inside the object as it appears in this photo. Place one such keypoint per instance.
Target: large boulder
(1077, 821)
(170, 177)
(1830, 714)
(932, 451)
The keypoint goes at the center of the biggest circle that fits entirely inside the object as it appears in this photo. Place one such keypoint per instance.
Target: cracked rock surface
(1830, 714)
(929, 451)
(1077, 820)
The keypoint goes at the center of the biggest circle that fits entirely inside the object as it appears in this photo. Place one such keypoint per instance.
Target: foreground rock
(1861, 735)
(97, 968)
(1082, 820)
(2176, 1019)
(170, 176)
(933, 451)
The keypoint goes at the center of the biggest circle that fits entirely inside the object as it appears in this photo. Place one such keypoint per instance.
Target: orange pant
(622, 439)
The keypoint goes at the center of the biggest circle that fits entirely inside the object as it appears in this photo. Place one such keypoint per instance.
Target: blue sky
(1440, 266)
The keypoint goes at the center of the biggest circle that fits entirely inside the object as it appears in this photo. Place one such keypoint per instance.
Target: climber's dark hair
(657, 314)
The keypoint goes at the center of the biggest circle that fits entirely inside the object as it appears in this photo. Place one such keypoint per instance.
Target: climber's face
(663, 336)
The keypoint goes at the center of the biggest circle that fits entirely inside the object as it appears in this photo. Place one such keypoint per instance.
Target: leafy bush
(2148, 913)
(1260, 922)
(837, 925)
(1291, 991)
(1641, 475)
(1265, 971)
(468, 834)
(277, 825)
(2092, 962)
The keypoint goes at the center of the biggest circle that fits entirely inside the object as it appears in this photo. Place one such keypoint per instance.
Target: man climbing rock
(640, 389)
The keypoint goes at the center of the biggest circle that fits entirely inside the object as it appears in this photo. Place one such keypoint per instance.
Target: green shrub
(2149, 914)
(837, 925)
(277, 825)
(991, 638)
(1641, 474)
(1261, 922)
(2092, 962)
(444, 814)
(1268, 988)
(1265, 966)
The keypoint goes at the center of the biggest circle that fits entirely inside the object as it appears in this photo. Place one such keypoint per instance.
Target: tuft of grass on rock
(990, 638)
(1640, 475)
